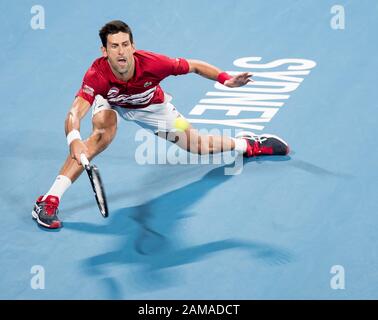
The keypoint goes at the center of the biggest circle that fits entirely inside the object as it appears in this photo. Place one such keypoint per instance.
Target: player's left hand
(239, 80)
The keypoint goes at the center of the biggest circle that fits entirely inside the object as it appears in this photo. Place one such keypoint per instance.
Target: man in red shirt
(125, 82)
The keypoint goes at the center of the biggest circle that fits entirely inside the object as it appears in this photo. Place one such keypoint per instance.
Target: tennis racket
(97, 186)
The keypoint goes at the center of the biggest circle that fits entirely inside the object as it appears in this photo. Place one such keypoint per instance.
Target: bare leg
(194, 142)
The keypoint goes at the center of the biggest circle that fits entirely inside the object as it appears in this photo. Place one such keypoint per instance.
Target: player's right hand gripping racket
(97, 186)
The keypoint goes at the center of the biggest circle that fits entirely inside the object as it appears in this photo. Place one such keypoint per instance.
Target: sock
(60, 185)
(240, 145)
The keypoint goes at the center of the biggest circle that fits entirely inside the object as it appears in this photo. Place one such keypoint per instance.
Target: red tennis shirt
(141, 90)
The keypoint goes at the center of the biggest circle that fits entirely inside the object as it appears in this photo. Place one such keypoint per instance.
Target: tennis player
(124, 83)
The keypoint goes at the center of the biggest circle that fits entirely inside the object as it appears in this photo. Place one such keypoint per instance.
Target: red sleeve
(166, 66)
(93, 84)
(179, 66)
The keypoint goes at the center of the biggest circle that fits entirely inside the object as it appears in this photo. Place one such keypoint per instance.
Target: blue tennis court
(302, 226)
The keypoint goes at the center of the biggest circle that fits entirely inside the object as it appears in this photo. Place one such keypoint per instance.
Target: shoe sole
(251, 134)
(35, 217)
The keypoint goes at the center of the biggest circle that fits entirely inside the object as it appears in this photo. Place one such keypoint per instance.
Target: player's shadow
(299, 165)
(149, 237)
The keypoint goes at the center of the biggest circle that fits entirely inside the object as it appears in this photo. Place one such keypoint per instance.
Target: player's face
(119, 51)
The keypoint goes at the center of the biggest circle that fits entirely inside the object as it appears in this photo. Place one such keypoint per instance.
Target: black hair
(114, 27)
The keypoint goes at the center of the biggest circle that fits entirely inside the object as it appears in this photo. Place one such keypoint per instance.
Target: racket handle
(84, 160)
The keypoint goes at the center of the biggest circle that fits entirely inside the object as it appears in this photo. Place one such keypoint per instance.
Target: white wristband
(73, 135)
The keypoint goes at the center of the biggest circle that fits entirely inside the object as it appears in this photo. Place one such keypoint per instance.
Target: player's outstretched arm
(211, 72)
(78, 110)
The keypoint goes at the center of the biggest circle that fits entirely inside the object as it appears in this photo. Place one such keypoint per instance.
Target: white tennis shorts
(156, 117)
